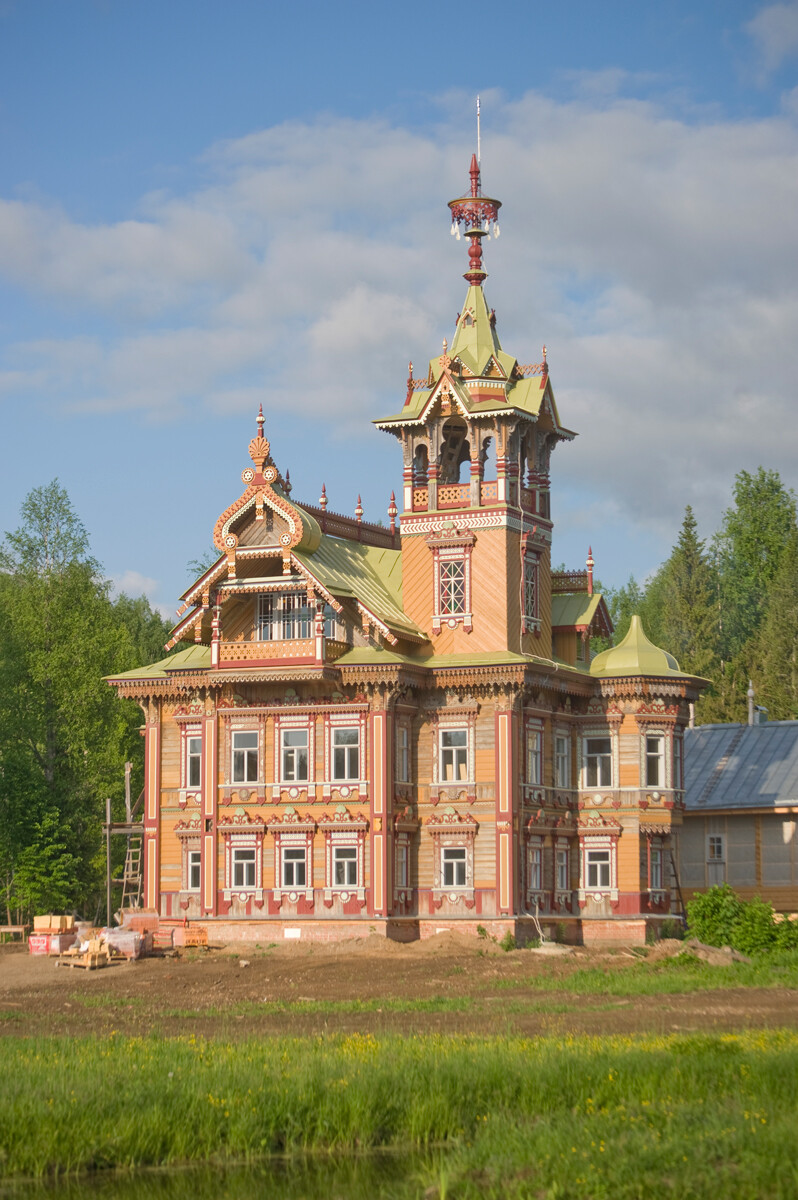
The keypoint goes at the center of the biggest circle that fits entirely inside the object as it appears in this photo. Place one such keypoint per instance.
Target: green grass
(682, 974)
(676, 1116)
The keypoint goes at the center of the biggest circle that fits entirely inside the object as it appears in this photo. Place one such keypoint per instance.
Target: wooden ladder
(677, 905)
(131, 876)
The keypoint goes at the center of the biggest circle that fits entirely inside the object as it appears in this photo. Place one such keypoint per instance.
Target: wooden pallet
(99, 954)
(196, 937)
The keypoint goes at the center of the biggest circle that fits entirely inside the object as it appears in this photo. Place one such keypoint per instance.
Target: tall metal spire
(476, 215)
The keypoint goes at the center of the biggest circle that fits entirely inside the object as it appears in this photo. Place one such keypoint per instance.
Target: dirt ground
(468, 985)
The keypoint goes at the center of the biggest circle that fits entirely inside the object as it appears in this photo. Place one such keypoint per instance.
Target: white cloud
(775, 32)
(657, 257)
(133, 583)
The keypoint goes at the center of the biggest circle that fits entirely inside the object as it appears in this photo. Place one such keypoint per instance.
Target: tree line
(728, 608)
(64, 735)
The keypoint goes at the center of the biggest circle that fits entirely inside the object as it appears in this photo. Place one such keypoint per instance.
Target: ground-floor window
(345, 873)
(453, 866)
(243, 873)
(597, 865)
(562, 869)
(194, 870)
(294, 867)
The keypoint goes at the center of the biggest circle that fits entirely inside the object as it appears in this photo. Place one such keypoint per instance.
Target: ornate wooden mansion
(401, 728)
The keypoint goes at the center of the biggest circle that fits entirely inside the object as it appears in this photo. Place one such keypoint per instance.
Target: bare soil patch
(465, 984)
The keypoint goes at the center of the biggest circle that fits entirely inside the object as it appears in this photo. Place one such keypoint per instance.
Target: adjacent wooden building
(401, 728)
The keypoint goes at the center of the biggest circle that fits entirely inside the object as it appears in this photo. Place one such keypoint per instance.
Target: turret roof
(635, 655)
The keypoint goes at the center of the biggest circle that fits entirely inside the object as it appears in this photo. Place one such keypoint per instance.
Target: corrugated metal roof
(741, 766)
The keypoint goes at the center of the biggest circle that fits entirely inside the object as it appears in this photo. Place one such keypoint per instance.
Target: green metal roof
(370, 574)
(574, 608)
(194, 658)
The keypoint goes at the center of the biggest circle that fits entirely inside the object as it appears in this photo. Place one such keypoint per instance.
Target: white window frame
(193, 755)
(590, 848)
(403, 753)
(603, 760)
(295, 854)
(290, 754)
(534, 755)
(562, 869)
(193, 864)
(656, 867)
(562, 760)
(534, 867)
(654, 759)
(456, 755)
(345, 855)
(402, 862)
(347, 748)
(454, 857)
(245, 857)
(246, 761)
(598, 869)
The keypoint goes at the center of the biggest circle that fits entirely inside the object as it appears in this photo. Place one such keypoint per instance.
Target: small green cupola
(635, 655)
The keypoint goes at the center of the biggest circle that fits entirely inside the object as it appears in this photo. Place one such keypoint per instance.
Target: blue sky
(203, 206)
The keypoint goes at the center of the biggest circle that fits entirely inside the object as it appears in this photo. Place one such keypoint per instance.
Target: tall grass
(687, 1116)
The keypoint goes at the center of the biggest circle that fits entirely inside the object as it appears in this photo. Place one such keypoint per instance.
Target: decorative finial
(409, 395)
(545, 364)
(590, 565)
(359, 511)
(323, 498)
(479, 216)
(287, 488)
(260, 420)
(259, 446)
(392, 511)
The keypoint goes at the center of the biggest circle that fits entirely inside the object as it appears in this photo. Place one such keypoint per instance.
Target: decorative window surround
(405, 828)
(241, 831)
(287, 723)
(563, 778)
(344, 830)
(591, 735)
(451, 830)
(453, 721)
(533, 774)
(235, 721)
(598, 835)
(563, 894)
(190, 764)
(654, 772)
(291, 831)
(346, 789)
(530, 614)
(535, 892)
(189, 834)
(451, 548)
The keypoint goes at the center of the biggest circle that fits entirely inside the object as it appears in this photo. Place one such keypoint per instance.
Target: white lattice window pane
(535, 872)
(599, 762)
(598, 868)
(562, 871)
(295, 755)
(244, 868)
(193, 761)
(245, 757)
(452, 587)
(454, 755)
(194, 870)
(345, 866)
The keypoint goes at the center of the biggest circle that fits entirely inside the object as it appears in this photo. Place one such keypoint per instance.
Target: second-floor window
(294, 867)
(403, 754)
(562, 761)
(655, 760)
(534, 756)
(284, 616)
(597, 863)
(562, 868)
(243, 868)
(294, 755)
(193, 761)
(598, 762)
(346, 753)
(454, 755)
(245, 756)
